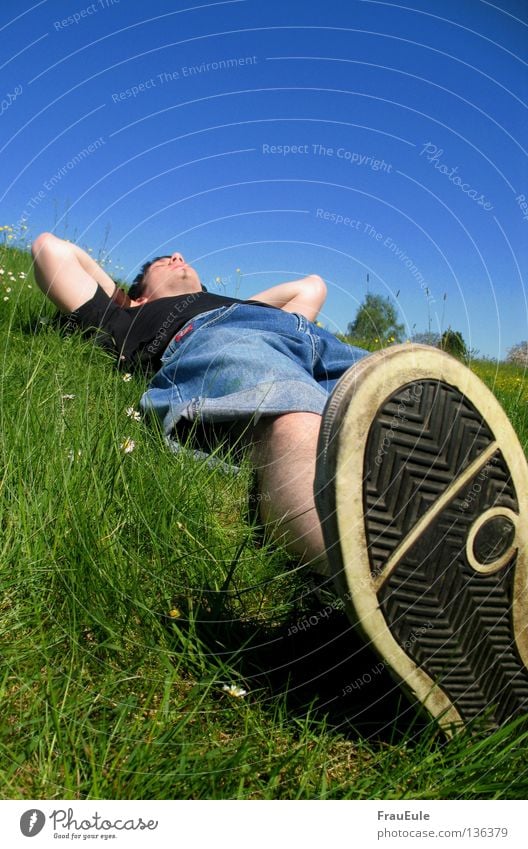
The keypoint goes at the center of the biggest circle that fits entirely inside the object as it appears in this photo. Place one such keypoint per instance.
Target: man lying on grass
(397, 473)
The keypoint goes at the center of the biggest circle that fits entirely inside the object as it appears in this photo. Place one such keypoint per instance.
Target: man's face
(169, 276)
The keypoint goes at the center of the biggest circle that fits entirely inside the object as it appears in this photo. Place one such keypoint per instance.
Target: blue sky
(379, 145)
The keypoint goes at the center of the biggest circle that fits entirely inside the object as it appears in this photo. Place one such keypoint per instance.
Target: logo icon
(32, 822)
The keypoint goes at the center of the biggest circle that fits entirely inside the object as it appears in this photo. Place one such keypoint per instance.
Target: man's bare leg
(283, 453)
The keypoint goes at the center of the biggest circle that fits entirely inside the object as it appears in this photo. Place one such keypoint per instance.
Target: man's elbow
(43, 241)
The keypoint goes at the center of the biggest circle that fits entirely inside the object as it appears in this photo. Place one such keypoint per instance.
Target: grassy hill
(151, 647)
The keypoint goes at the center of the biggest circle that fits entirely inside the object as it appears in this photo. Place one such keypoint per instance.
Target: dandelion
(127, 377)
(237, 270)
(6, 298)
(174, 613)
(234, 691)
(133, 414)
(8, 289)
(218, 279)
(127, 446)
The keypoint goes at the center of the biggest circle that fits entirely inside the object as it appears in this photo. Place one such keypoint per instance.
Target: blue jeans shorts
(245, 361)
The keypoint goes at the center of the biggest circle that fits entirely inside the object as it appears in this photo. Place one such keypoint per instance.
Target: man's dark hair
(136, 289)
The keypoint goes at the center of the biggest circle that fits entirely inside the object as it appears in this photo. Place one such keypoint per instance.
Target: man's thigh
(241, 365)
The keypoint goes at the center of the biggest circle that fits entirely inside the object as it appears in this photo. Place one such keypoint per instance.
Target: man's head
(163, 277)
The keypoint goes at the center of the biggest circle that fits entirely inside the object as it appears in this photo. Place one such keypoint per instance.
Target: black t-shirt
(138, 336)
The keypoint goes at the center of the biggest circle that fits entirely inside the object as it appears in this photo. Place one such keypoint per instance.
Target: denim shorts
(245, 361)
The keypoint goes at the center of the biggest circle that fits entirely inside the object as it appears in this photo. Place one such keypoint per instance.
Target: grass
(134, 591)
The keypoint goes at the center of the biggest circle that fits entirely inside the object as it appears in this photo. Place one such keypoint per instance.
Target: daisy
(234, 691)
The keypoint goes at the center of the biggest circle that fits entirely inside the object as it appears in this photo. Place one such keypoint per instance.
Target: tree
(453, 343)
(376, 321)
(518, 354)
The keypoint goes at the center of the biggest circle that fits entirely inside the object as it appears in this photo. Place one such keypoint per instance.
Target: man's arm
(305, 296)
(68, 275)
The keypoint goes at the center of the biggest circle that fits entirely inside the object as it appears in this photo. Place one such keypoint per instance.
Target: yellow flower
(174, 613)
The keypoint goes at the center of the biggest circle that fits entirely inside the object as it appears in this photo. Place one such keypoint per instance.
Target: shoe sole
(424, 521)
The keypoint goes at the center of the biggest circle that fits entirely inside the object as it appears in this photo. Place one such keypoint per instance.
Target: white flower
(127, 377)
(6, 298)
(8, 289)
(2, 271)
(73, 454)
(22, 275)
(127, 446)
(234, 691)
(133, 414)
(68, 397)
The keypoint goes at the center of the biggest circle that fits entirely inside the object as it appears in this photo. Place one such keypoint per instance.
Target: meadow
(152, 646)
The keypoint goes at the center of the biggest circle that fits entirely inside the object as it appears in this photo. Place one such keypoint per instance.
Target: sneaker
(422, 493)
